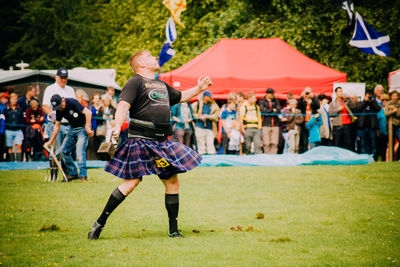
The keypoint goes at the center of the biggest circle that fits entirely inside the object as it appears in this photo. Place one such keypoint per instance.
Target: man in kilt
(148, 150)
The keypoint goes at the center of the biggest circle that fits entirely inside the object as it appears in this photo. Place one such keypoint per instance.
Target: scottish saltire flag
(166, 54)
(368, 40)
(170, 30)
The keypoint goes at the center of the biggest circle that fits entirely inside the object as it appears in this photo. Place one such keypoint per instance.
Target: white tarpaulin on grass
(321, 155)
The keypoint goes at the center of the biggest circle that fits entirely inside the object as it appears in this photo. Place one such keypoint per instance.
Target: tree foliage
(103, 34)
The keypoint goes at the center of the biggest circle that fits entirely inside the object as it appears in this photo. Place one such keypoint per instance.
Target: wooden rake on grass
(51, 177)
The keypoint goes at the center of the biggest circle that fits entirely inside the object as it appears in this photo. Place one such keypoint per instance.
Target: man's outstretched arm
(202, 84)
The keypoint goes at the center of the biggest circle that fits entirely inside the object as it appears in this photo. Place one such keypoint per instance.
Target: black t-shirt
(73, 113)
(150, 99)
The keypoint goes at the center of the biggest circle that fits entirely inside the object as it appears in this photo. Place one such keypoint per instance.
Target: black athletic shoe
(176, 234)
(94, 233)
(72, 177)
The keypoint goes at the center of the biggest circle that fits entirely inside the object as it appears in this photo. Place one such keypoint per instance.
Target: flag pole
(390, 130)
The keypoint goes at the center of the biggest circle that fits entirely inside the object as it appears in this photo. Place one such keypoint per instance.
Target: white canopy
(99, 77)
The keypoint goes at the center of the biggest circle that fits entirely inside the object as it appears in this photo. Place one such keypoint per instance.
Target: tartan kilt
(136, 157)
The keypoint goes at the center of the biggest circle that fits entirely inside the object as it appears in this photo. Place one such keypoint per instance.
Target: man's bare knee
(128, 185)
(171, 185)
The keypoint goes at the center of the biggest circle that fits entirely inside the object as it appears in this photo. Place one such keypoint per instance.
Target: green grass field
(314, 216)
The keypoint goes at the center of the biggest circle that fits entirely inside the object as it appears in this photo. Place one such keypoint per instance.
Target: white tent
(394, 80)
(97, 77)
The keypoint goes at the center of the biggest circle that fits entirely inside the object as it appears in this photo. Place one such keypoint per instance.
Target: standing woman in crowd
(392, 110)
(308, 104)
(82, 97)
(326, 127)
(108, 114)
(14, 124)
(294, 120)
(97, 121)
(182, 120)
(382, 134)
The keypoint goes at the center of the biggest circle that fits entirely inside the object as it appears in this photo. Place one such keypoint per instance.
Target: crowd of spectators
(242, 125)
(245, 125)
(26, 123)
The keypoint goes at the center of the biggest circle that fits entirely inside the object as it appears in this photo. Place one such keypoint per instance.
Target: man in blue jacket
(15, 122)
(314, 135)
(79, 118)
(367, 124)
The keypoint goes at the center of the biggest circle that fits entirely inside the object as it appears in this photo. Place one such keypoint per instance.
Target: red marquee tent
(253, 65)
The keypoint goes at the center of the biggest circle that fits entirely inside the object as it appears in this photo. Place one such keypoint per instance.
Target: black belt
(150, 130)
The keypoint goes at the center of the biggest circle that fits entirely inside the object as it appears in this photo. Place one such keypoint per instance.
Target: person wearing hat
(79, 118)
(4, 97)
(270, 108)
(60, 88)
(206, 112)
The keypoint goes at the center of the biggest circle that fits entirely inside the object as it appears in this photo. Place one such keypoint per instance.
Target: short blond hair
(250, 94)
(133, 60)
(13, 95)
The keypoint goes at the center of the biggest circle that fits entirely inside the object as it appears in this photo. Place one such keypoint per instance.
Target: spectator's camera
(370, 98)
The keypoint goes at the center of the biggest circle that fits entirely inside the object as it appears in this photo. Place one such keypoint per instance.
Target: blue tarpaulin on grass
(321, 155)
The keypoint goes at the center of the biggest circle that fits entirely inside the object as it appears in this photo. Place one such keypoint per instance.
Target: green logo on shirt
(158, 95)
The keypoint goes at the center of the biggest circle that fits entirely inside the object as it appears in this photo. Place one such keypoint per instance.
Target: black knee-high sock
(115, 199)
(172, 206)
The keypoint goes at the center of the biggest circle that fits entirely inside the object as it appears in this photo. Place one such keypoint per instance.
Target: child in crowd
(236, 138)
(108, 115)
(227, 117)
(294, 119)
(313, 125)
(34, 114)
